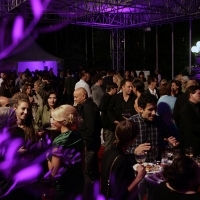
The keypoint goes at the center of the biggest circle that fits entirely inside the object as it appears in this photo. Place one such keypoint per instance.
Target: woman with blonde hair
(117, 79)
(71, 181)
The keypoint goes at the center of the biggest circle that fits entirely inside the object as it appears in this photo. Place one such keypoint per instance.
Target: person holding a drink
(152, 133)
(118, 180)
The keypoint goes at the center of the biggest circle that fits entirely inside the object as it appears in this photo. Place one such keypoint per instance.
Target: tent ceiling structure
(28, 54)
(29, 50)
(109, 14)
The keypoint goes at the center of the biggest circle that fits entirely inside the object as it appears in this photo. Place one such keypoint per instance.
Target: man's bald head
(4, 102)
(190, 83)
(80, 95)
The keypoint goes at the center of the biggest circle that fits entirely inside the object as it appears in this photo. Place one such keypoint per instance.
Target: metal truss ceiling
(109, 14)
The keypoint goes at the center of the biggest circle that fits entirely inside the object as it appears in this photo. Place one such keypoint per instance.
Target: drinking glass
(126, 113)
(189, 152)
(154, 151)
(169, 150)
(164, 158)
(140, 158)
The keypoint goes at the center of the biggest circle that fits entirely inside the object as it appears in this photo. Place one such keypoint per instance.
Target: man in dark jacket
(107, 126)
(90, 129)
(152, 82)
(190, 121)
(121, 105)
(180, 102)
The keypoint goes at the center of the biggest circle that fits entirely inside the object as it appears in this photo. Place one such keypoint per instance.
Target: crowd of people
(126, 113)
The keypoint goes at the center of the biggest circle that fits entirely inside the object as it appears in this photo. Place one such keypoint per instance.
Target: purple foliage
(18, 29)
(27, 174)
(37, 8)
(69, 157)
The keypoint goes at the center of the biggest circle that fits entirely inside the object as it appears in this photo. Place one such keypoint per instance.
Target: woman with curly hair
(26, 89)
(10, 134)
(24, 116)
(182, 181)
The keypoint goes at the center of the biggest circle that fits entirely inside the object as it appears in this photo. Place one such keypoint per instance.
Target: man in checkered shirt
(152, 130)
(150, 140)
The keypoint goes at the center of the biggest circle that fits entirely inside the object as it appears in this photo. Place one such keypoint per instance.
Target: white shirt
(153, 92)
(1, 80)
(84, 85)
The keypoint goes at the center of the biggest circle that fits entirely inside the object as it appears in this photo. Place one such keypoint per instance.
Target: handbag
(108, 182)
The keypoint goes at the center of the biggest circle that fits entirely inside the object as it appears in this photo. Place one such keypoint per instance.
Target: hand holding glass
(169, 151)
(140, 158)
(164, 158)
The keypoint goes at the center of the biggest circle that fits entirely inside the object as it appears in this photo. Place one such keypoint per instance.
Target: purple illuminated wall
(39, 65)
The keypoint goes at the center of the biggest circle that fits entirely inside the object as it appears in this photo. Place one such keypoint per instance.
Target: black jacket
(115, 107)
(103, 107)
(180, 102)
(157, 92)
(122, 174)
(90, 128)
(190, 128)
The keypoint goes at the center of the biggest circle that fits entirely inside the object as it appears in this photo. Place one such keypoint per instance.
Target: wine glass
(164, 158)
(140, 158)
(189, 152)
(154, 152)
(126, 113)
(169, 151)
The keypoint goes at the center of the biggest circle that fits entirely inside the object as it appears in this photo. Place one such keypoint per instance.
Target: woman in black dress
(123, 182)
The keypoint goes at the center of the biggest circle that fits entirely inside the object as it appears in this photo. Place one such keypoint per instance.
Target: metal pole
(86, 48)
(124, 50)
(172, 51)
(190, 44)
(117, 49)
(144, 47)
(156, 47)
(113, 49)
(92, 48)
(111, 46)
(56, 43)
